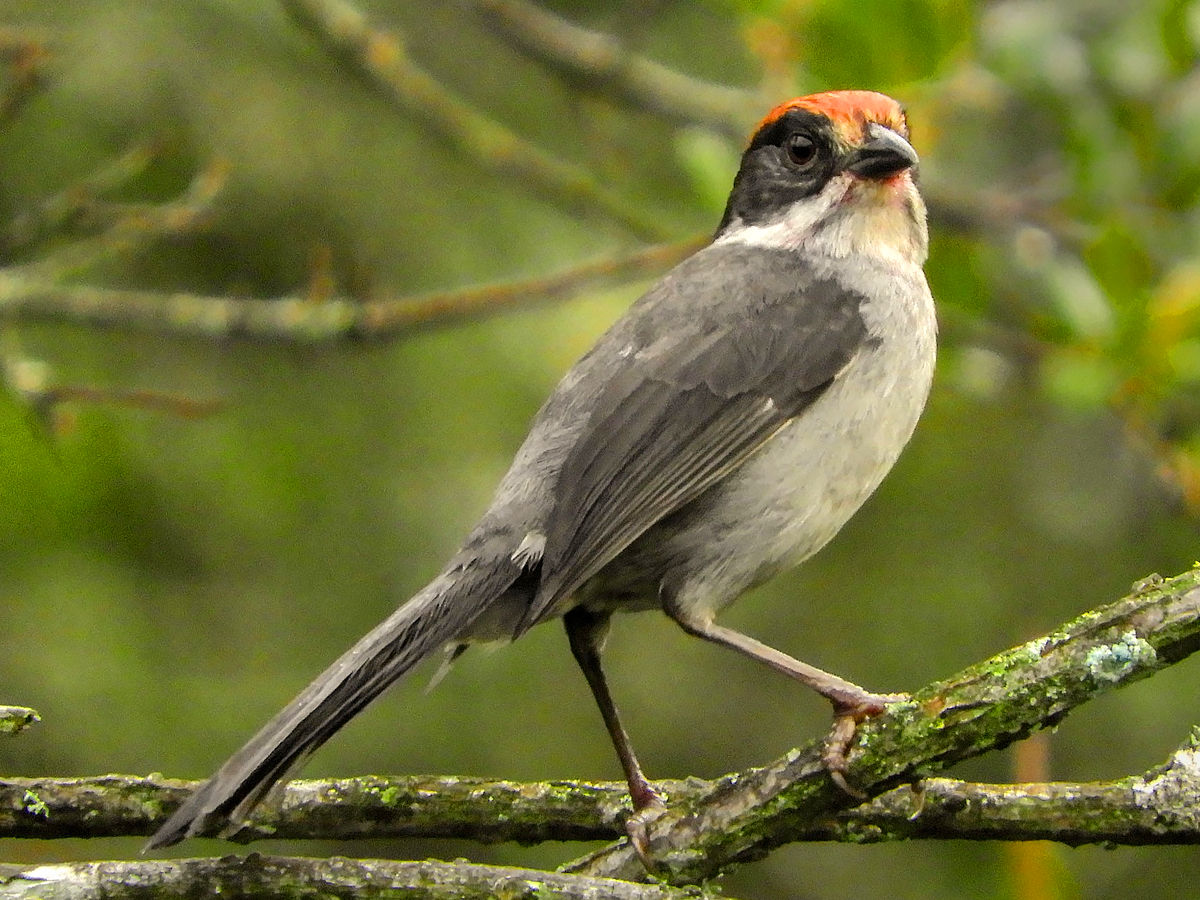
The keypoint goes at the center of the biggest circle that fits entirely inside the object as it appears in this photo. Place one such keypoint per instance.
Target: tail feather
(434, 617)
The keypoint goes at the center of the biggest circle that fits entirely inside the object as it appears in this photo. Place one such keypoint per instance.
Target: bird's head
(831, 173)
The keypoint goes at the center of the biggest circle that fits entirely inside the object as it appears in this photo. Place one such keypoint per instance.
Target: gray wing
(685, 412)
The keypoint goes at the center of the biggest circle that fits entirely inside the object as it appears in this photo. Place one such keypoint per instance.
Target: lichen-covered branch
(599, 63)
(1161, 806)
(15, 719)
(301, 320)
(380, 56)
(710, 826)
(319, 879)
(987, 706)
(342, 809)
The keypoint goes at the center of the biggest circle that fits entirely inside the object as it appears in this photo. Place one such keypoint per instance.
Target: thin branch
(384, 318)
(265, 876)
(31, 381)
(137, 226)
(987, 706)
(305, 321)
(600, 63)
(77, 203)
(179, 405)
(380, 56)
(15, 719)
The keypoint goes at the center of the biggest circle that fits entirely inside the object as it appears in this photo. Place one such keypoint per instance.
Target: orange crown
(849, 111)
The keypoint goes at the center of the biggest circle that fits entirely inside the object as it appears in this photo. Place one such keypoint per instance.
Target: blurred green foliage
(168, 583)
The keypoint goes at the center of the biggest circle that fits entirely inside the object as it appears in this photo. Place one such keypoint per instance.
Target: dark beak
(883, 154)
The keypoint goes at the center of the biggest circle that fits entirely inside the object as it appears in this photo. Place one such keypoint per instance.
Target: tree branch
(985, 707)
(710, 826)
(78, 202)
(340, 809)
(266, 876)
(344, 31)
(1161, 806)
(294, 319)
(599, 63)
(596, 61)
(31, 381)
(15, 719)
(130, 227)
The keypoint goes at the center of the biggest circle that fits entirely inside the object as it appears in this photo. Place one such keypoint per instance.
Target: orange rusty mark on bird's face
(849, 112)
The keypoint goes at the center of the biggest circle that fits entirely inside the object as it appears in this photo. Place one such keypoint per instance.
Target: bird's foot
(847, 714)
(647, 807)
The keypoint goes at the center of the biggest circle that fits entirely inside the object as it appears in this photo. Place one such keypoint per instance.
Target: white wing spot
(530, 551)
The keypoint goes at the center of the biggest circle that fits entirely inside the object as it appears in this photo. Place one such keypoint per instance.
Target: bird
(721, 431)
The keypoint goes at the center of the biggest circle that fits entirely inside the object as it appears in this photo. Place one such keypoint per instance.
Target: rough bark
(319, 879)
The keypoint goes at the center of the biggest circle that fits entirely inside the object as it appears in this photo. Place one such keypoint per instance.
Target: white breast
(790, 498)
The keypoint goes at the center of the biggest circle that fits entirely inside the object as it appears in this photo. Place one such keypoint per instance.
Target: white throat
(849, 217)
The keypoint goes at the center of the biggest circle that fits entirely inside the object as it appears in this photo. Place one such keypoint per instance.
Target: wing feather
(679, 417)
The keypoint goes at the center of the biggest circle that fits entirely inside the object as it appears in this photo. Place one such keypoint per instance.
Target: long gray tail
(434, 617)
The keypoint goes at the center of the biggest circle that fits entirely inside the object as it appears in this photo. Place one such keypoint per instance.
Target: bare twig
(397, 316)
(263, 876)
(135, 227)
(302, 320)
(76, 204)
(1001, 212)
(32, 382)
(600, 63)
(131, 398)
(380, 56)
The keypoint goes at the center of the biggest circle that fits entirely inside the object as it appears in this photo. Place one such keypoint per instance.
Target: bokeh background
(168, 581)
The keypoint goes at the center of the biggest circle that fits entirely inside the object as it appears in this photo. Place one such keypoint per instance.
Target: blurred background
(192, 527)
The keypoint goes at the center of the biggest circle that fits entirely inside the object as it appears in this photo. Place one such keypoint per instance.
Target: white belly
(792, 496)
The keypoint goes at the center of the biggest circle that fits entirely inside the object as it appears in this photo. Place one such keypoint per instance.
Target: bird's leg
(586, 632)
(851, 703)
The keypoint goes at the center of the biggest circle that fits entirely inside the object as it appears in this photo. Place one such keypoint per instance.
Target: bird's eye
(801, 149)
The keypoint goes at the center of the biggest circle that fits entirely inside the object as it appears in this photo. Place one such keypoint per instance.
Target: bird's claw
(636, 826)
(846, 719)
